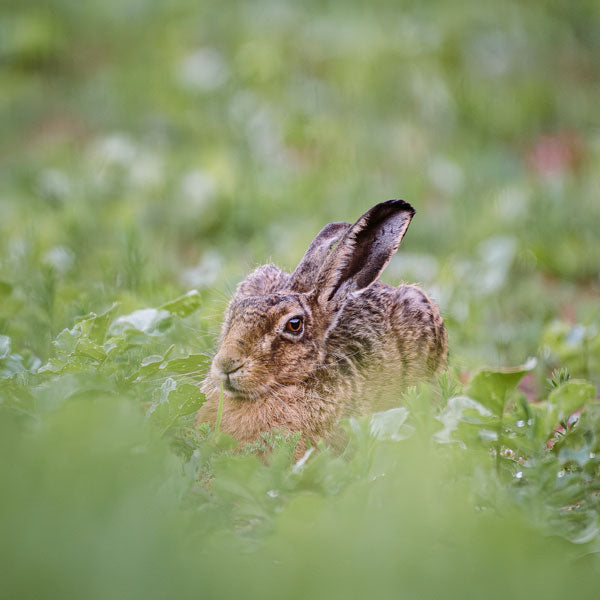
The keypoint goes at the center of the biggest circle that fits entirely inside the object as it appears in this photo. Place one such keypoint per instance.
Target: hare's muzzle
(228, 364)
(225, 368)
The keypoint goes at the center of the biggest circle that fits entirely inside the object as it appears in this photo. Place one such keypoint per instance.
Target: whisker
(226, 297)
(276, 396)
(177, 375)
(198, 332)
(283, 387)
(340, 359)
(313, 395)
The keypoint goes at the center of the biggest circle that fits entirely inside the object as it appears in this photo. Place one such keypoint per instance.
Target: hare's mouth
(234, 390)
(230, 387)
(233, 386)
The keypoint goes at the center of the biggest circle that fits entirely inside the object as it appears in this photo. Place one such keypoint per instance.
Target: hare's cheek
(266, 344)
(279, 351)
(210, 386)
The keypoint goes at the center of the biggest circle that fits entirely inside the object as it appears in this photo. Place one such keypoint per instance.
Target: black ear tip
(402, 205)
(390, 209)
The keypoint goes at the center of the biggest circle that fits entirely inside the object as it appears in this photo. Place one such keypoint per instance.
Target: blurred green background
(150, 148)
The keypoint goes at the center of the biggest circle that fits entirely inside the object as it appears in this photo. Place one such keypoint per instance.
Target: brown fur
(360, 336)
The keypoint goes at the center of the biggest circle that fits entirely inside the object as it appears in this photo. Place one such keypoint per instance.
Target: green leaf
(5, 290)
(391, 425)
(15, 363)
(54, 365)
(150, 321)
(463, 411)
(116, 344)
(101, 323)
(193, 364)
(70, 364)
(175, 400)
(571, 396)
(576, 347)
(149, 366)
(159, 411)
(87, 348)
(16, 397)
(546, 419)
(186, 399)
(493, 387)
(66, 340)
(223, 442)
(184, 305)
(4, 346)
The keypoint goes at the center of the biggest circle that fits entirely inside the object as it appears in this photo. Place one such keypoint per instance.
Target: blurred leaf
(174, 400)
(86, 335)
(571, 396)
(150, 321)
(54, 365)
(545, 418)
(463, 409)
(15, 364)
(66, 340)
(575, 346)
(101, 322)
(492, 388)
(223, 442)
(391, 425)
(4, 346)
(186, 399)
(17, 397)
(184, 305)
(86, 347)
(5, 290)
(191, 365)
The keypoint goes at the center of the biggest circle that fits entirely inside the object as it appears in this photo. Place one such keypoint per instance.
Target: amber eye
(294, 325)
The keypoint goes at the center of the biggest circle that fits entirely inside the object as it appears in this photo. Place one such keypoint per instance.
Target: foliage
(150, 148)
(471, 482)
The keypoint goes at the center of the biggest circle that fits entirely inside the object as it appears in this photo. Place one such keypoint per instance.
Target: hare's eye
(294, 325)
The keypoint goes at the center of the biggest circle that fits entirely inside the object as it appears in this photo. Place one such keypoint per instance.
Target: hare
(298, 352)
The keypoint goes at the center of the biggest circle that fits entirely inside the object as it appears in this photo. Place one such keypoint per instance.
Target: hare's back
(393, 332)
(420, 335)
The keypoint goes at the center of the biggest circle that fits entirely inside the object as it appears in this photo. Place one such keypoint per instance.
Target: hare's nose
(229, 365)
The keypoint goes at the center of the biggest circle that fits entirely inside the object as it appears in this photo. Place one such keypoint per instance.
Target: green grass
(148, 149)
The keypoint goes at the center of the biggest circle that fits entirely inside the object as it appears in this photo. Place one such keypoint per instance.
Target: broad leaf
(571, 396)
(4, 346)
(150, 321)
(493, 387)
(391, 425)
(184, 305)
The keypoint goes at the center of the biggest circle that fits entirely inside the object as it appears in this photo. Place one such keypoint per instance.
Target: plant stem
(219, 410)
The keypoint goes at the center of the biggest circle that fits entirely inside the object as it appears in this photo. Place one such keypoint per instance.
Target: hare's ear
(303, 279)
(363, 251)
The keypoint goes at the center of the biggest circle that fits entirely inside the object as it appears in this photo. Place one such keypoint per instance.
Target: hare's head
(276, 328)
